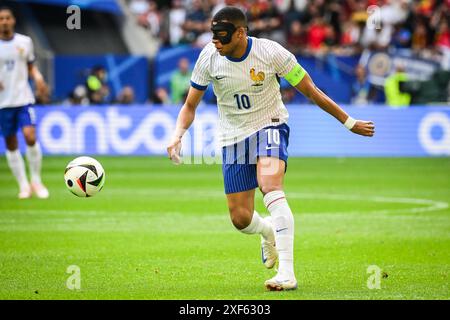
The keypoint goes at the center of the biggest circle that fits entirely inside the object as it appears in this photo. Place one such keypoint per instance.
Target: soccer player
(253, 130)
(16, 98)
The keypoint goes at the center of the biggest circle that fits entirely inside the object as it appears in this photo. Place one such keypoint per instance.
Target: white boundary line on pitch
(430, 205)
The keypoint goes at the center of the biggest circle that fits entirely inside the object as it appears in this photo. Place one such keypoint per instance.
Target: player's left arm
(307, 87)
(42, 90)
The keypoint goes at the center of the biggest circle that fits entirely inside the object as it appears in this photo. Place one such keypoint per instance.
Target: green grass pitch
(158, 231)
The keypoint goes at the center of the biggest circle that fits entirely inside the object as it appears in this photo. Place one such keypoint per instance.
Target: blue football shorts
(239, 160)
(11, 119)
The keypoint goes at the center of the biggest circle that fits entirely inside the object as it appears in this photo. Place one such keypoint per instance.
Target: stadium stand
(332, 39)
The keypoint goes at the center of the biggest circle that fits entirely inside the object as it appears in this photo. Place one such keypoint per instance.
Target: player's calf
(283, 223)
(17, 166)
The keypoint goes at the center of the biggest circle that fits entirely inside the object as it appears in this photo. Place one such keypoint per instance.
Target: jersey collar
(10, 39)
(247, 51)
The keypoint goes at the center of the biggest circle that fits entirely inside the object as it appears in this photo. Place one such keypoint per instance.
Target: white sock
(17, 166)
(258, 225)
(34, 157)
(283, 224)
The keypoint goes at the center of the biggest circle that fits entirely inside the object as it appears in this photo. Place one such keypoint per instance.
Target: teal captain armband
(295, 75)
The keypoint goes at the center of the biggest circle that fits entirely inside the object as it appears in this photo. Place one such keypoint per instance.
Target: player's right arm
(199, 83)
(184, 121)
(42, 90)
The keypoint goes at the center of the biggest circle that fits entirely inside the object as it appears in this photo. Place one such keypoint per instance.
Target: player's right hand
(364, 128)
(173, 150)
(42, 92)
(1, 86)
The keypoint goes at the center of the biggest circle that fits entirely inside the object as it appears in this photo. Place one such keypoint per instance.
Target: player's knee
(29, 133)
(30, 139)
(12, 143)
(240, 217)
(265, 189)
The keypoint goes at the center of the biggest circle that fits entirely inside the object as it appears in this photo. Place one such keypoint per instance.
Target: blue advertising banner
(122, 71)
(381, 65)
(145, 130)
(110, 6)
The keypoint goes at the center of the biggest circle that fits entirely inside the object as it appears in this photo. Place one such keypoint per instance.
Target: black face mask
(219, 26)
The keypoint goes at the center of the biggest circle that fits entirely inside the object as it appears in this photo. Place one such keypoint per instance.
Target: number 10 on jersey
(273, 136)
(242, 101)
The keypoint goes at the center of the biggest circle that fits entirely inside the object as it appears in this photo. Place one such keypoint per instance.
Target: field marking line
(428, 205)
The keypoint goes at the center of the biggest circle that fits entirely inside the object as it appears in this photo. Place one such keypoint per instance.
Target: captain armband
(295, 75)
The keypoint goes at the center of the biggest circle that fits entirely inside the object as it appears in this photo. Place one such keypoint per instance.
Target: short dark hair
(3, 8)
(98, 68)
(233, 15)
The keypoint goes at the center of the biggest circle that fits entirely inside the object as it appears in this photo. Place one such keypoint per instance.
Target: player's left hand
(364, 128)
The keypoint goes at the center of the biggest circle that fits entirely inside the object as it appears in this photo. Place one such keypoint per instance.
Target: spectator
(362, 91)
(350, 37)
(295, 37)
(292, 12)
(394, 12)
(180, 81)
(139, 7)
(286, 6)
(177, 16)
(98, 90)
(203, 39)
(442, 38)
(126, 96)
(394, 96)
(264, 20)
(151, 19)
(161, 96)
(419, 40)
(377, 38)
(419, 28)
(78, 96)
(359, 12)
(401, 39)
(316, 35)
(216, 5)
(196, 22)
(330, 40)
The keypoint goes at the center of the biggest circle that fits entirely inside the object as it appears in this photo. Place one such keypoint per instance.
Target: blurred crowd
(317, 28)
(95, 91)
(305, 27)
(308, 26)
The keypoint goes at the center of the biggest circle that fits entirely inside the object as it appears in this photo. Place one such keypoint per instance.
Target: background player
(244, 71)
(16, 98)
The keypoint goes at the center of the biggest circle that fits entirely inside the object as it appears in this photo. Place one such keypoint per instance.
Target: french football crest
(258, 78)
(21, 51)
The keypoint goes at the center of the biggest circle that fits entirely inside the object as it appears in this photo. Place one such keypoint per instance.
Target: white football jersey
(15, 54)
(247, 89)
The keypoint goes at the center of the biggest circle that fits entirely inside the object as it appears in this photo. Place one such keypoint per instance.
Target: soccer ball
(84, 176)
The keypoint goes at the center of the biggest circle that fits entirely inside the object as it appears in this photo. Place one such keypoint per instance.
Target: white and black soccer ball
(84, 176)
